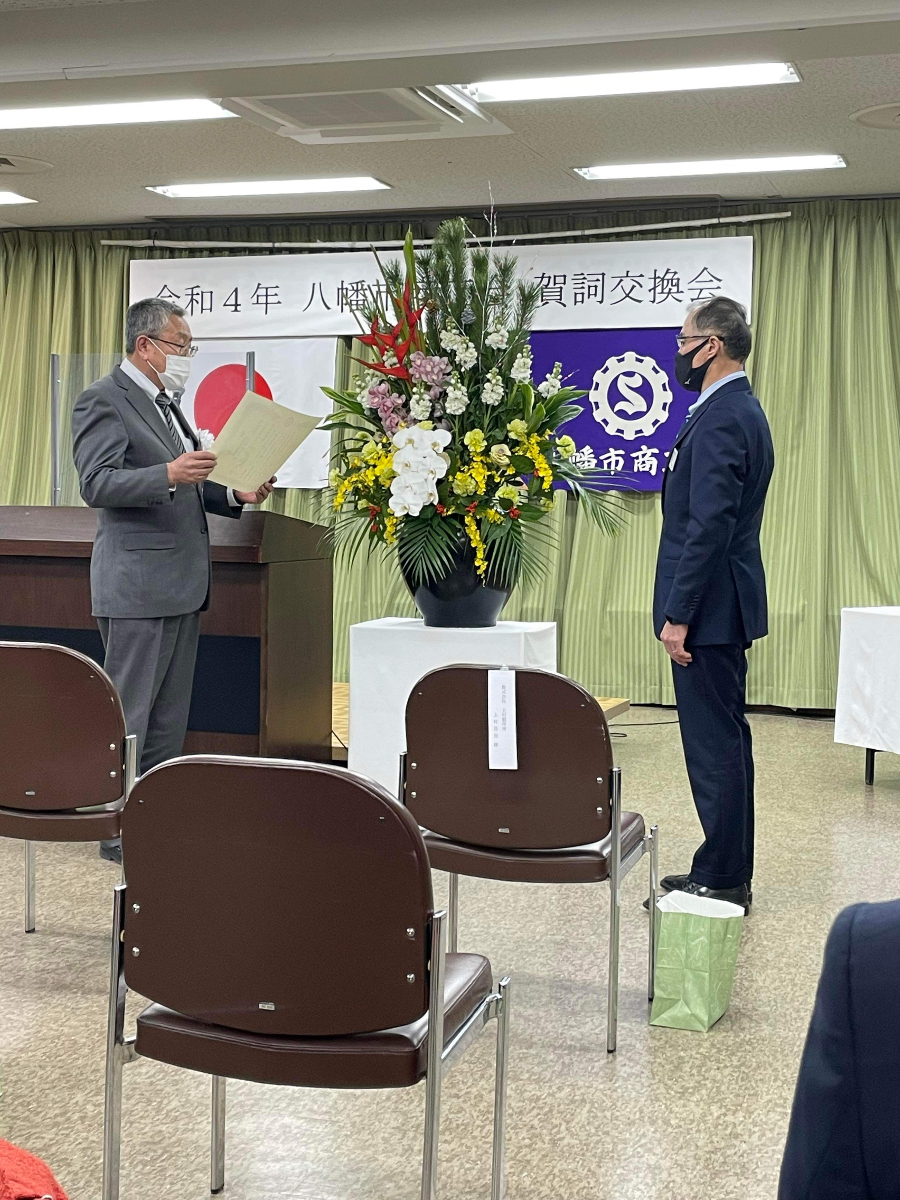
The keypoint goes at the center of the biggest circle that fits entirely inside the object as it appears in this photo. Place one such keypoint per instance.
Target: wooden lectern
(263, 679)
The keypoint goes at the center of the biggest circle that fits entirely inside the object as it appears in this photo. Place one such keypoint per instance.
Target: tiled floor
(673, 1116)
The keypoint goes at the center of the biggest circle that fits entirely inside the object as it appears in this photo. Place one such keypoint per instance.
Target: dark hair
(728, 321)
(149, 317)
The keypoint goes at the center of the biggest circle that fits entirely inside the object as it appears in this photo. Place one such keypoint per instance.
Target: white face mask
(178, 369)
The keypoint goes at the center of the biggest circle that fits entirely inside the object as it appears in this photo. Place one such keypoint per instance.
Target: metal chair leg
(870, 768)
(434, 1067)
(29, 887)
(115, 1055)
(453, 915)
(217, 1147)
(498, 1163)
(615, 863)
(654, 893)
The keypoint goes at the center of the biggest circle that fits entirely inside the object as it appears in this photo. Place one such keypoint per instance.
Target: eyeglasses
(682, 338)
(185, 351)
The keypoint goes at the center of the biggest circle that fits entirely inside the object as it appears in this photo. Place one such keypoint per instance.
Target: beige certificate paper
(256, 441)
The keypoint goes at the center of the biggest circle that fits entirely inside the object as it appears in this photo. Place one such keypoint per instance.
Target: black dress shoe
(741, 896)
(673, 883)
(112, 851)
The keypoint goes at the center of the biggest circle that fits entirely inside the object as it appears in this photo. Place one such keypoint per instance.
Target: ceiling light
(714, 166)
(138, 112)
(15, 198)
(272, 187)
(629, 83)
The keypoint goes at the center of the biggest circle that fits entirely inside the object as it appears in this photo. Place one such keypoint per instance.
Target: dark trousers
(718, 751)
(151, 661)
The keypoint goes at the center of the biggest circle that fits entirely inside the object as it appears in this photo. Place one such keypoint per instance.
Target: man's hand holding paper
(256, 441)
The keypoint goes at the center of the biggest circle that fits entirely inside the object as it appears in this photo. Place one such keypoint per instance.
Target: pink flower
(429, 369)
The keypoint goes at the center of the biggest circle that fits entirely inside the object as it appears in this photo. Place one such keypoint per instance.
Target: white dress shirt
(714, 387)
(153, 391)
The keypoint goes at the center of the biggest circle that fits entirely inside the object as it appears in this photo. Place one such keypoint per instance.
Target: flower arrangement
(447, 447)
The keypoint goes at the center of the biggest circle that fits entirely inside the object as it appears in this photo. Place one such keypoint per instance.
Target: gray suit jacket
(151, 554)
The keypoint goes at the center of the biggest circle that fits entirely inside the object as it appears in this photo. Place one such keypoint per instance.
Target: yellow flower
(370, 452)
(518, 429)
(334, 478)
(542, 468)
(343, 492)
(477, 543)
(478, 471)
(566, 446)
(390, 529)
(501, 454)
(493, 516)
(475, 440)
(508, 492)
(464, 484)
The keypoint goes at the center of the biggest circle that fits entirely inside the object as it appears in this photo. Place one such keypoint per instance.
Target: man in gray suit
(140, 463)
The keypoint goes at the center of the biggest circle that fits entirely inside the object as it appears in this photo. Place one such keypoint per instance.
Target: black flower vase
(459, 599)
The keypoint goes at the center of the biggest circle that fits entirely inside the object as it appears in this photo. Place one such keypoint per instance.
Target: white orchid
(419, 462)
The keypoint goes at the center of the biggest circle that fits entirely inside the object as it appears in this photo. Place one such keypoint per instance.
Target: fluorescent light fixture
(630, 83)
(15, 198)
(714, 166)
(271, 187)
(136, 113)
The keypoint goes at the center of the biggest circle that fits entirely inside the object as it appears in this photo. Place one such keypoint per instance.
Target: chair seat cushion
(574, 864)
(390, 1058)
(85, 826)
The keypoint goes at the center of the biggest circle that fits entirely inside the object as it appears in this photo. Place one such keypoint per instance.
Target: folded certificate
(256, 441)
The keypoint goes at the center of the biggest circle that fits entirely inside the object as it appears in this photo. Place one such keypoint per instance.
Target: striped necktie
(165, 406)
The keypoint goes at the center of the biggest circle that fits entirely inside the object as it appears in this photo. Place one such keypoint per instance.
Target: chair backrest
(276, 897)
(558, 796)
(61, 727)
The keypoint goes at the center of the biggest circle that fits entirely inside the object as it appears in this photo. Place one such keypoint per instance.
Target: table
(867, 710)
(390, 656)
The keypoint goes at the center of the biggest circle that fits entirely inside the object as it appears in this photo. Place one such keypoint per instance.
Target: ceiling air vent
(385, 115)
(15, 164)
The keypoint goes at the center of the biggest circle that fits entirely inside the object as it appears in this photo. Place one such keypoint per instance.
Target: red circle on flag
(219, 394)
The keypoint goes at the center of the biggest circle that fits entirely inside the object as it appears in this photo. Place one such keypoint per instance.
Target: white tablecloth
(390, 656)
(867, 712)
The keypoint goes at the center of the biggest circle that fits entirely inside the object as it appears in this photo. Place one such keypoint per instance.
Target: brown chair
(556, 819)
(279, 916)
(67, 764)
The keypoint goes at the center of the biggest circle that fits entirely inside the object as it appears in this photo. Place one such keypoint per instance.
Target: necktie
(164, 404)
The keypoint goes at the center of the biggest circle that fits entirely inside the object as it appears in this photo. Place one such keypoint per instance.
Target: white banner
(594, 285)
(290, 371)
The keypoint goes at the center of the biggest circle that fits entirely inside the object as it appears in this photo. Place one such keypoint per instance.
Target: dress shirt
(153, 391)
(714, 387)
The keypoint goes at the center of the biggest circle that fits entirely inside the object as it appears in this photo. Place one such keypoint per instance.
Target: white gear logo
(629, 369)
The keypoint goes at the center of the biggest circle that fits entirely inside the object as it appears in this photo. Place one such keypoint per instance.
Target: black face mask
(689, 376)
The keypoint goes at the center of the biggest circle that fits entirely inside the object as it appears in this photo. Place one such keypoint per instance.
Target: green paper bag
(697, 944)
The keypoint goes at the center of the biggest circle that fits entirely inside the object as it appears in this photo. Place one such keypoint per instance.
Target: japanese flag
(290, 371)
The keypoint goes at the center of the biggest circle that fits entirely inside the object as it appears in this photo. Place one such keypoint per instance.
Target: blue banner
(634, 409)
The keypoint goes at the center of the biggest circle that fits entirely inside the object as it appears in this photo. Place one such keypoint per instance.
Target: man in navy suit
(710, 596)
(843, 1142)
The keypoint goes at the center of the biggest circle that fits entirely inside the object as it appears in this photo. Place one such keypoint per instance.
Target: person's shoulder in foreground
(844, 1138)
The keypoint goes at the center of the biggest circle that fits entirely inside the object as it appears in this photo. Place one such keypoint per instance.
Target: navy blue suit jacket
(844, 1139)
(709, 574)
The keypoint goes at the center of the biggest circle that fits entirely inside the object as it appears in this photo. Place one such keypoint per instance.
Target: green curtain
(826, 367)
